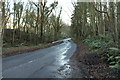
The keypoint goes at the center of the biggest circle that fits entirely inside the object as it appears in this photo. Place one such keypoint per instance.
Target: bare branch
(102, 12)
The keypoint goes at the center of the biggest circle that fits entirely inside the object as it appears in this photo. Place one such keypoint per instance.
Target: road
(42, 63)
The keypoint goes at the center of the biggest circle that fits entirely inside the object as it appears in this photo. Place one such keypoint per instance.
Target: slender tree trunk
(3, 17)
(118, 21)
(14, 24)
(112, 20)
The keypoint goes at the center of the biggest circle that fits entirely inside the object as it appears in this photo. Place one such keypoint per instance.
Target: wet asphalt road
(42, 63)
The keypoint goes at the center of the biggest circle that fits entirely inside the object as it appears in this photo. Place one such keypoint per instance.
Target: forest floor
(23, 49)
(92, 64)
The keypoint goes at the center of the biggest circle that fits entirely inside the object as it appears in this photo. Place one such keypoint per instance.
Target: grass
(22, 49)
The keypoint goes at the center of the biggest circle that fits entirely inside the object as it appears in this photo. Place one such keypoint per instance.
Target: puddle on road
(63, 63)
(64, 69)
(70, 70)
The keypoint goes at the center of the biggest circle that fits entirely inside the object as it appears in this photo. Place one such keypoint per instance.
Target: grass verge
(23, 49)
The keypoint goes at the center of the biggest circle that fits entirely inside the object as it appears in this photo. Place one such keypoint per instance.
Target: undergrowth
(109, 50)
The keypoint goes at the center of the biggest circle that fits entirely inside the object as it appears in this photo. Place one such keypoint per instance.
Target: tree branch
(102, 12)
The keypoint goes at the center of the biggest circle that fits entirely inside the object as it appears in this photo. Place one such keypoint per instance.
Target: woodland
(96, 24)
(32, 23)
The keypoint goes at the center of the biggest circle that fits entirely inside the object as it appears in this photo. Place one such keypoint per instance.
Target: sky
(67, 8)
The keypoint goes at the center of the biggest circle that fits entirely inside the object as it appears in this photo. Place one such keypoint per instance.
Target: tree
(56, 23)
(94, 19)
(32, 24)
(43, 13)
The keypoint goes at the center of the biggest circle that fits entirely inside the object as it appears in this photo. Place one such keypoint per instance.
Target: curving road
(42, 63)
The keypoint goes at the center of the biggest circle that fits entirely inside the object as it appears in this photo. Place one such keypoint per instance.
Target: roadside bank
(92, 64)
(24, 49)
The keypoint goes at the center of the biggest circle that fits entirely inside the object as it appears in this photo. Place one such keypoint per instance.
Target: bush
(106, 47)
(96, 44)
(114, 59)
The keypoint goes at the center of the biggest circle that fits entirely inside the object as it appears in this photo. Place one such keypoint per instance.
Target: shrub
(107, 48)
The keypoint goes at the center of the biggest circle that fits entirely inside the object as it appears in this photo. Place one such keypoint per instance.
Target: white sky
(67, 8)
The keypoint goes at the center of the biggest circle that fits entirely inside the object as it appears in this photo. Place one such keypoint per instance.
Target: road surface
(42, 63)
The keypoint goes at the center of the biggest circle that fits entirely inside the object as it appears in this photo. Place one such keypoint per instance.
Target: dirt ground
(16, 50)
(92, 64)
